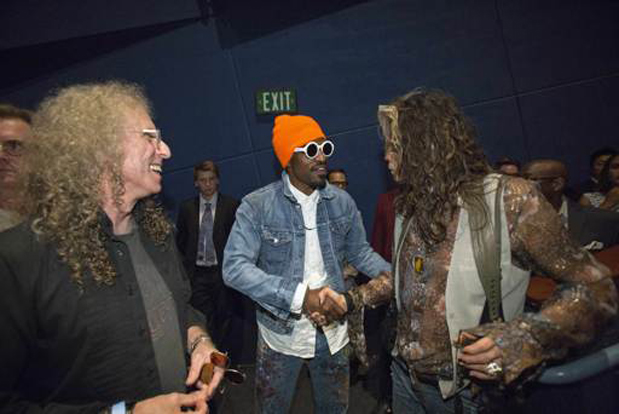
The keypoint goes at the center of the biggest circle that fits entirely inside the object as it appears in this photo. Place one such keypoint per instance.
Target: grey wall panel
(499, 129)
(268, 166)
(556, 41)
(28, 22)
(342, 65)
(571, 122)
(190, 82)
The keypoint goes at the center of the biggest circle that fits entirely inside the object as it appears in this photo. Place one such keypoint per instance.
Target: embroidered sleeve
(374, 293)
(584, 300)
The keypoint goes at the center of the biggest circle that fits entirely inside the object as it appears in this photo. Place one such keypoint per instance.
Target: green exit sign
(276, 101)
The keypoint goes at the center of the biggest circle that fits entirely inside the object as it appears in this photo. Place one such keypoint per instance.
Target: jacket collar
(327, 192)
(106, 224)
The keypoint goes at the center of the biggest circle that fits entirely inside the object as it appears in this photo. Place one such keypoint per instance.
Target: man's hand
(324, 305)
(172, 404)
(200, 357)
(483, 358)
(333, 303)
(313, 309)
(311, 302)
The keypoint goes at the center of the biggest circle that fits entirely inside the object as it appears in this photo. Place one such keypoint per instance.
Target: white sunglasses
(311, 149)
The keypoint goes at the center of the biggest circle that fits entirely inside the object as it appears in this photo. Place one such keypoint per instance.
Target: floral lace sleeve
(584, 301)
(376, 292)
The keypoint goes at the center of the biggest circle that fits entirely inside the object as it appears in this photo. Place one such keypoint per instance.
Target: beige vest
(464, 295)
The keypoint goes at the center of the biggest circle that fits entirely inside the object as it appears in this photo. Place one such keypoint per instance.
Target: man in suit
(203, 225)
(591, 227)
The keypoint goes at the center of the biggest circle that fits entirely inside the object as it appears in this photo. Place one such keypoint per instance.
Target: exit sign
(276, 101)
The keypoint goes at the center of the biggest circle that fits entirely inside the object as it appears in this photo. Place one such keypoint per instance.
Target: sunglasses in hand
(221, 360)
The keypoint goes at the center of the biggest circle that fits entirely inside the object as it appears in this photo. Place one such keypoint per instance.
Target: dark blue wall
(539, 78)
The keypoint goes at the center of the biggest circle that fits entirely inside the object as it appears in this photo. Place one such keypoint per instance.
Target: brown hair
(439, 159)
(8, 111)
(205, 166)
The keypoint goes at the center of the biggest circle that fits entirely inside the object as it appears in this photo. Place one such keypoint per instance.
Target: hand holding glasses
(220, 360)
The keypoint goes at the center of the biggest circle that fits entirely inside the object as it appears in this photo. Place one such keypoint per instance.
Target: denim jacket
(265, 254)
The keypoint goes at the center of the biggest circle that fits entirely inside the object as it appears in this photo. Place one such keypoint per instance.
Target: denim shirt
(264, 257)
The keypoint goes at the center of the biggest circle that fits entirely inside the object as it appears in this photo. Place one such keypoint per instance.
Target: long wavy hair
(77, 149)
(439, 160)
(606, 183)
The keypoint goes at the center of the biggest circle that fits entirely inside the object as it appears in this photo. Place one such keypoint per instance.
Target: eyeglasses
(311, 149)
(152, 134)
(12, 147)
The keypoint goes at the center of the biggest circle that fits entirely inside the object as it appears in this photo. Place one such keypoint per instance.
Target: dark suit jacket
(588, 224)
(188, 228)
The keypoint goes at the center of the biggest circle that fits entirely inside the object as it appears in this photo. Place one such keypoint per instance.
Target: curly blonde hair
(439, 159)
(78, 145)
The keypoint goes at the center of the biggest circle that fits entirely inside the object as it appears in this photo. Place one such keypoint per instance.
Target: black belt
(422, 377)
(428, 379)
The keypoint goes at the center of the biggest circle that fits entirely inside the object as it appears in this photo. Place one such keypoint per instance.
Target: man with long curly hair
(465, 241)
(94, 312)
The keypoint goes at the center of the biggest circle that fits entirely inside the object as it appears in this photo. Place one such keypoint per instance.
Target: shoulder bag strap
(486, 242)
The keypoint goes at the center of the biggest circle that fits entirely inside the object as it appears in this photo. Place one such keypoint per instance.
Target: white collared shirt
(301, 342)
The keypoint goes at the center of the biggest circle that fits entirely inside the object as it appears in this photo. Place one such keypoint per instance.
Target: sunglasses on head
(311, 149)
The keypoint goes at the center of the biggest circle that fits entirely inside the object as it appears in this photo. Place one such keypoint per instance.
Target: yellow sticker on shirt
(418, 262)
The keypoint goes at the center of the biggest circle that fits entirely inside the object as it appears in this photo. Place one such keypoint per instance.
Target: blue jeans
(277, 375)
(423, 398)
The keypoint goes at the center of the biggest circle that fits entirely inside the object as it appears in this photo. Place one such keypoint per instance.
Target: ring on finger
(494, 369)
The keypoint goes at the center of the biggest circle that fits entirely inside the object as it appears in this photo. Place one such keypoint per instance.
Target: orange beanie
(293, 131)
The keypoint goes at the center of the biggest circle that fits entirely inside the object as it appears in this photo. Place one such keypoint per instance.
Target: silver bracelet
(196, 342)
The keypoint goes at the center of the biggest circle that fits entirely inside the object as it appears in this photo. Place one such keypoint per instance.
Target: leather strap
(486, 241)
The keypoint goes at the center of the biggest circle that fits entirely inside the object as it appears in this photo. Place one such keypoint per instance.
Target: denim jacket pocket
(276, 249)
(339, 230)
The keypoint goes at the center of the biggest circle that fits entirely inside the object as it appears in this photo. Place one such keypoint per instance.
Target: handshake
(324, 305)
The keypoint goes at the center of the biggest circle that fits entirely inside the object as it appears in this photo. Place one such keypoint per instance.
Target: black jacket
(66, 351)
(587, 224)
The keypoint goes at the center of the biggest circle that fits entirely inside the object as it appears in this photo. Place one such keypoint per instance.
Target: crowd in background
(589, 211)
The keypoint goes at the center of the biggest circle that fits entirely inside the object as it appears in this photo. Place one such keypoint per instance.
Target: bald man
(585, 225)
